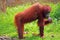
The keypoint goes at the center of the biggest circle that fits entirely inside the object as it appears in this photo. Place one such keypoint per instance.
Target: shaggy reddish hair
(36, 11)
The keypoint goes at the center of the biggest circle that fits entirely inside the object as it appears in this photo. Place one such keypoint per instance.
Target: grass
(7, 27)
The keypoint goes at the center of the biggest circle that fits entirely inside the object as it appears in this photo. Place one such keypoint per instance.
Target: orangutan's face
(46, 11)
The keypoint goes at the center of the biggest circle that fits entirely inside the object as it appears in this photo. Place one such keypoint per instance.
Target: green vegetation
(51, 31)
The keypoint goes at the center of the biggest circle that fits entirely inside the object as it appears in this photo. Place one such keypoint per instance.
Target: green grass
(8, 28)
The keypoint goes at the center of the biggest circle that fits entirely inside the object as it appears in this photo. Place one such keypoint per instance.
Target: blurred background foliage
(8, 28)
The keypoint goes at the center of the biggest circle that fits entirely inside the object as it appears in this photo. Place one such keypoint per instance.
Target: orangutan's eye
(48, 11)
